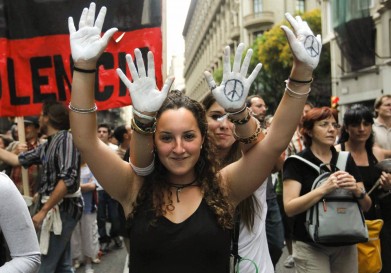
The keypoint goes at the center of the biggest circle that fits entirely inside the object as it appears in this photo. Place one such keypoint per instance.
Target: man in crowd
(107, 206)
(382, 122)
(31, 130)
(59, 187)
(258, 108)
(123, 134)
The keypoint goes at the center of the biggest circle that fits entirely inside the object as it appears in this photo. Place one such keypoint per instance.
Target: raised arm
(258, 162)
(146, 100)
(9, 158)
(87, 45)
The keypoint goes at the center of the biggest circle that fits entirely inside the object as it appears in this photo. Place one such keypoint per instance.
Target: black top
(381, 208)
(305, 175)
(197, 245)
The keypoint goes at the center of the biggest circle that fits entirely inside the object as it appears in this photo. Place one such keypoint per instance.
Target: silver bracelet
(143, 171)
(296, 95)
(81, 110)
(141, 115)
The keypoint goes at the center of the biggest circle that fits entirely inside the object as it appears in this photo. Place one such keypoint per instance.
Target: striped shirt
(60, 160)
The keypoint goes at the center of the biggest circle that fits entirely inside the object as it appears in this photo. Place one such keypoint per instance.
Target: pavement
(112, 262)
(280, 267)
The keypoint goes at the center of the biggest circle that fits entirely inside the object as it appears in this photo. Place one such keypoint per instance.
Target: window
(257, 6)
(366, 4)
(300, 6)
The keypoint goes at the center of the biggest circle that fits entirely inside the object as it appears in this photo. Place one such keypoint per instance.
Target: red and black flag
(35, 58)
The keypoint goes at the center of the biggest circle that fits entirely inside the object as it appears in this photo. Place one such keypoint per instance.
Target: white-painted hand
(305, 47)
(86, 43)
(143, 91)
(234, 88)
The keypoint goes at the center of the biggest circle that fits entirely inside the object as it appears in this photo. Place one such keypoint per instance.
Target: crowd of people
(189, 186)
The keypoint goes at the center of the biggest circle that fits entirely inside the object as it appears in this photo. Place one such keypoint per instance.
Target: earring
(201, 147)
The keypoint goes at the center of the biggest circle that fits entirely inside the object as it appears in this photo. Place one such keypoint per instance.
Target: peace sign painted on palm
(305, 47)
(234, 88)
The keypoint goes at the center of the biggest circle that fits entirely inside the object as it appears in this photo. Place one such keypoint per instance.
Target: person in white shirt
(18, 230)
(382, 122)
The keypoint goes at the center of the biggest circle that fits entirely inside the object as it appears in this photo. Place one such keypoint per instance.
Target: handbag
(336, 219)
(369, 253)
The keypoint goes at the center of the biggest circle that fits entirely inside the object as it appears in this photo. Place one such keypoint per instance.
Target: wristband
(81, 70)
(302, 82)
(362, 194)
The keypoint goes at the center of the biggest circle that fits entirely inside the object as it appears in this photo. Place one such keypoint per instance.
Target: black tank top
(369, 174)
(197, 245)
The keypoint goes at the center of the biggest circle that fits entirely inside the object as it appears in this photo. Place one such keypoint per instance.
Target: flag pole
(22, 140)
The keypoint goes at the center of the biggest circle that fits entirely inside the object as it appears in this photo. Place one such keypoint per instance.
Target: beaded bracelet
(149, 130)
(250, 139)
(81, 110)
(240, 121)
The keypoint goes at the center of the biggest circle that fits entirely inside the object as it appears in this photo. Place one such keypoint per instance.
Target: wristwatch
(362, 194)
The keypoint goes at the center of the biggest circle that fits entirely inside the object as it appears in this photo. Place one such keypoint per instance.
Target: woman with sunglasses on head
(250, 215)
(179, 205)
(357, 138)
(319, 130)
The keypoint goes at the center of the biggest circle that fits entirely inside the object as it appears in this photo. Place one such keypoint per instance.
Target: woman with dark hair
(178, 202)
(319, 130)
(251, 212)
(357, 138)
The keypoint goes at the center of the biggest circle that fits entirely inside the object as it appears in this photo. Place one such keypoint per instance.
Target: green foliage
(273, 51)
(218, 75)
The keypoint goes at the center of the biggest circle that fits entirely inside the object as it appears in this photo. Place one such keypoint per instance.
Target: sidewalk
(280, 267)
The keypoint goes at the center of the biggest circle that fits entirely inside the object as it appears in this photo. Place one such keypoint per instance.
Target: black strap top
(369, 174)
(197, 245)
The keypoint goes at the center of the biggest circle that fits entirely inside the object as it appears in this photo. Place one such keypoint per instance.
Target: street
(112, 262)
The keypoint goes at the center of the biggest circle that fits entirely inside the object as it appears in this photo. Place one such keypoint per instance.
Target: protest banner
(35, 58)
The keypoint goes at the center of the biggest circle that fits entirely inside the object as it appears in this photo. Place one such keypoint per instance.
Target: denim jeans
(107, 211)
(59, 259)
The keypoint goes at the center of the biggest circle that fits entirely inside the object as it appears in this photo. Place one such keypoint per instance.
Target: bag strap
(235, 237)
(306, 162)
(341, 162)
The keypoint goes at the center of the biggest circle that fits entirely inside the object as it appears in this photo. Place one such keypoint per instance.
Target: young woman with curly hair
(180, 206)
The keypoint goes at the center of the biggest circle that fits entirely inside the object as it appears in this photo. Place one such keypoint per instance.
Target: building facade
(359, 33)
(213, 24)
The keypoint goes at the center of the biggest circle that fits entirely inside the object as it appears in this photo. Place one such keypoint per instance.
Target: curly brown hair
(155, 185)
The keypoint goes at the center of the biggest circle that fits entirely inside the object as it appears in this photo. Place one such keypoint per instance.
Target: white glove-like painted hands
(305, 46)
(233, 90)
(86, 43)
(145, 96)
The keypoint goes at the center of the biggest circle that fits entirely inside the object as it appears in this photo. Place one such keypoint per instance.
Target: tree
(272, 50)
